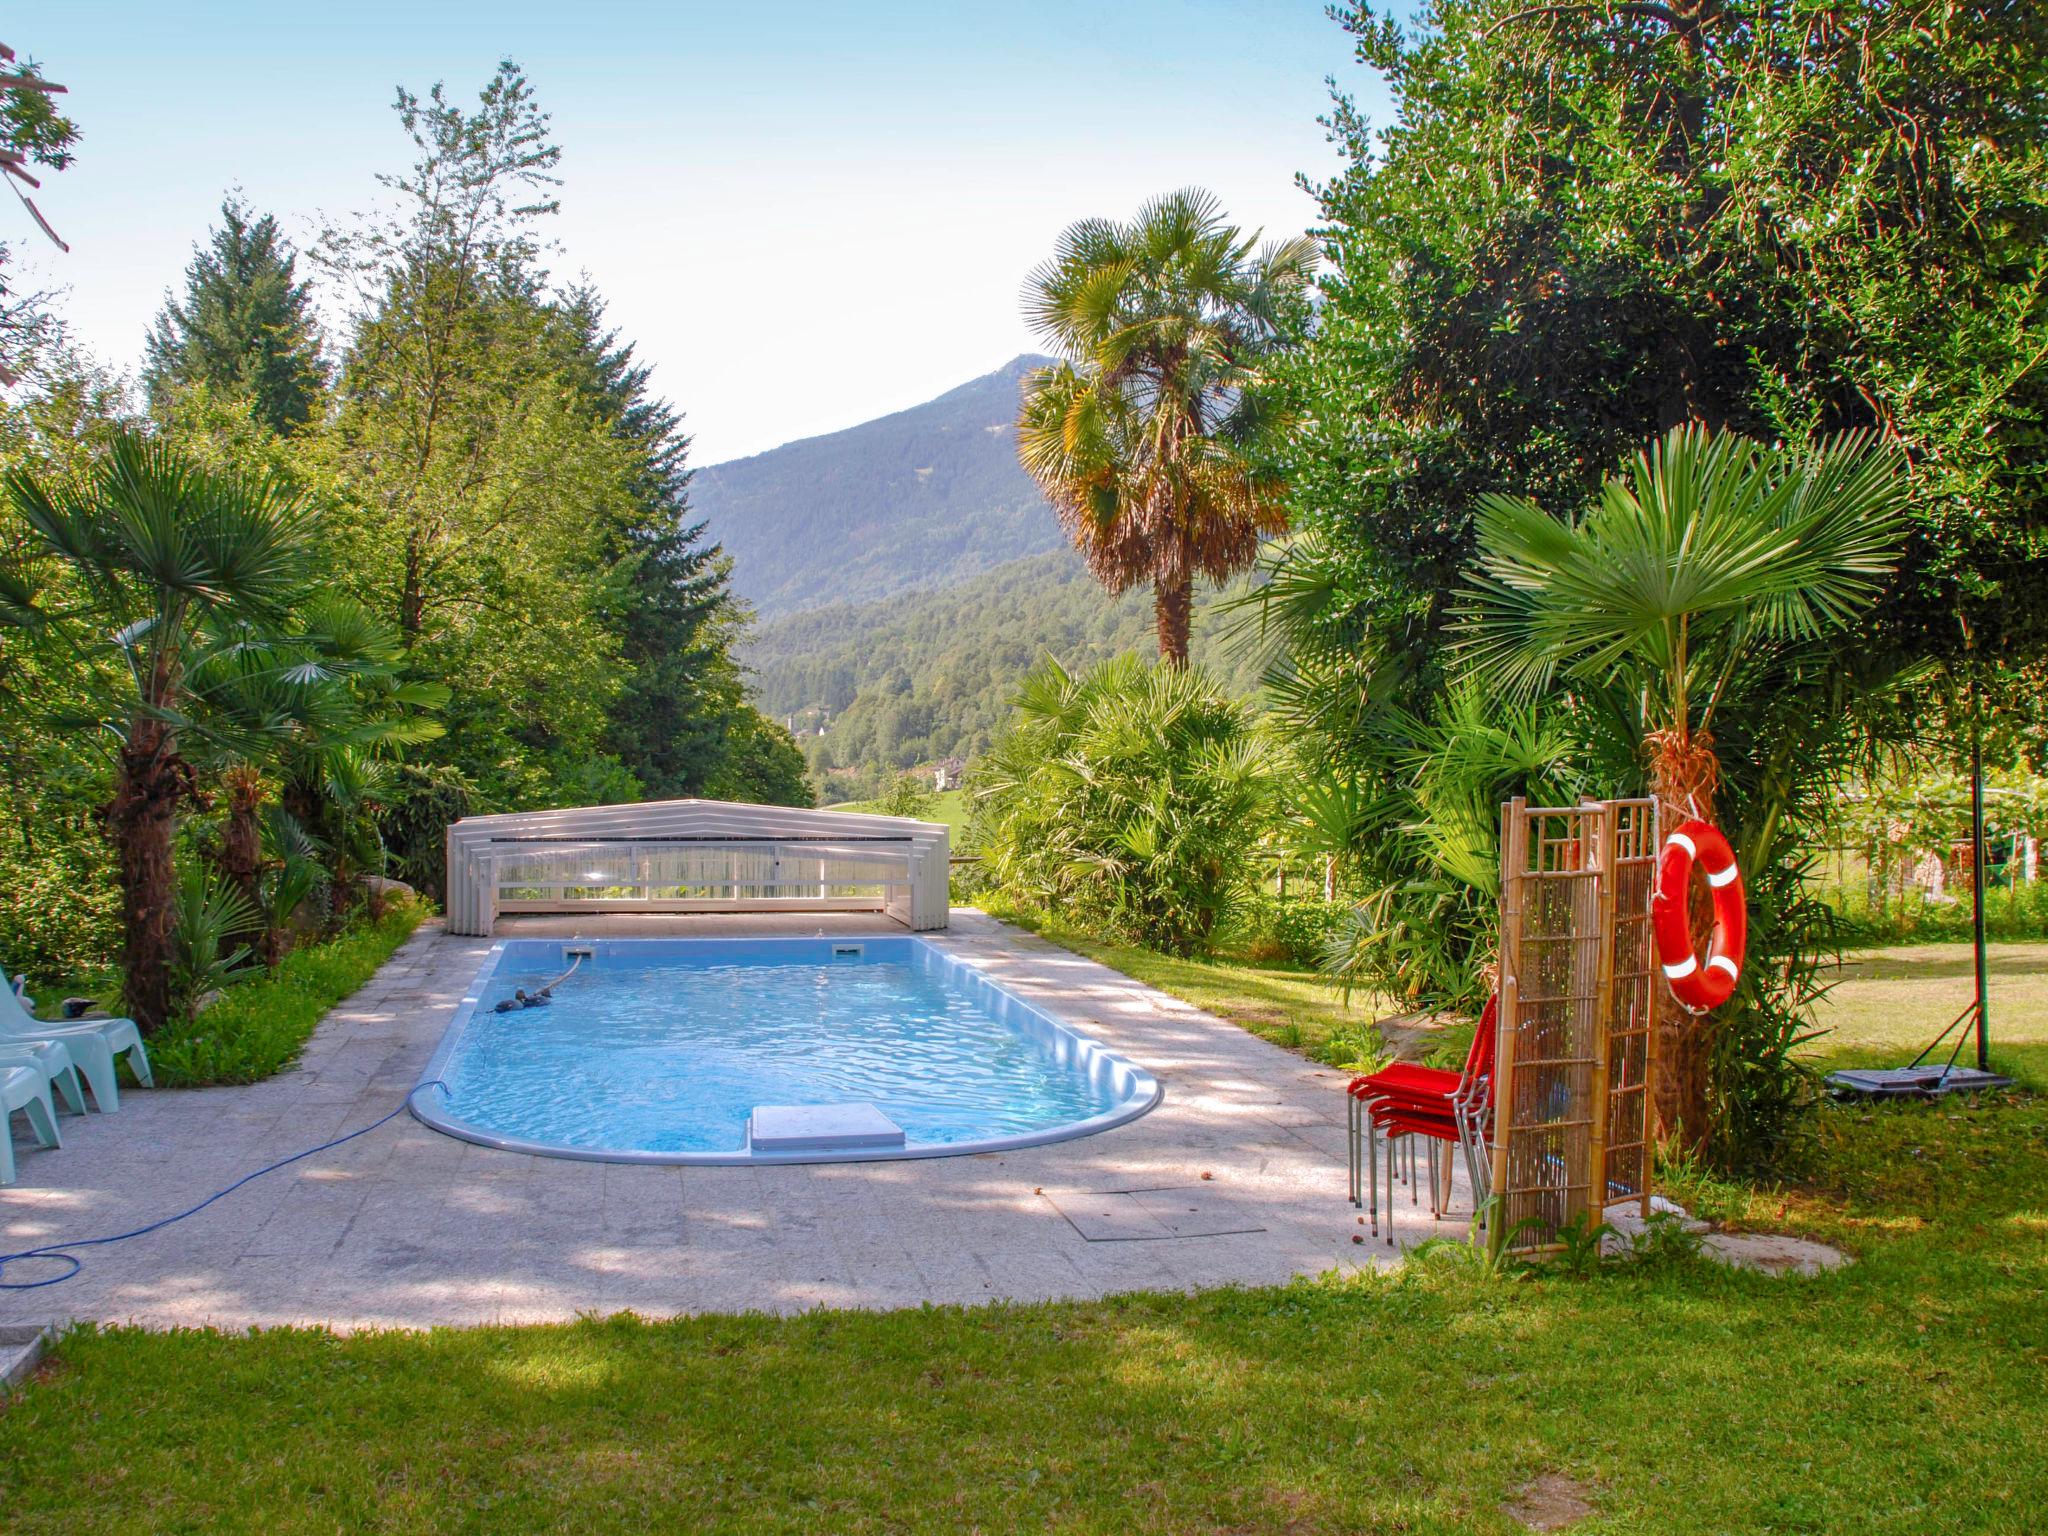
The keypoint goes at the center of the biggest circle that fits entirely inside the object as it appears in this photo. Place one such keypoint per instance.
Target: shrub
(60, 911)
(909, 795)
(1296, 929)
(418, 804)
(2014, 911)
(1423, 842)
(1129, 799)
(204, 957)
(258, 1027)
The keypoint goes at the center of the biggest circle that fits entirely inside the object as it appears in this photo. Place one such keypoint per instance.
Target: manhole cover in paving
(1148, 1215)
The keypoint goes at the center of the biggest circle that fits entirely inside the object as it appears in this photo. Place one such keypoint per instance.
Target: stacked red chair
(1405, 1103)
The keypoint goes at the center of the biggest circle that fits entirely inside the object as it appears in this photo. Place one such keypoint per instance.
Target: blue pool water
(660, 1050)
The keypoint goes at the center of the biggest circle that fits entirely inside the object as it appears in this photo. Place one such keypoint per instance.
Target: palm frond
(1705, 545)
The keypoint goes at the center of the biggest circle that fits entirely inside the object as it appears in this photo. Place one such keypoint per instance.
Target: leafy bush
(1760, 1091)
(1297, 929)
(1425, 845)
(1890, 823)
(418, 804)
(60, 912)
(909, 795)
(209, 912)
(2015, 911)
(1129, 799)
(259, 1027)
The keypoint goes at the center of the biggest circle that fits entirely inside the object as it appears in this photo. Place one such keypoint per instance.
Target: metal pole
(1977, 882)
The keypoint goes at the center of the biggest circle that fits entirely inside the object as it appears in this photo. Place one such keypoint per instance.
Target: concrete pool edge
(1145, 1089)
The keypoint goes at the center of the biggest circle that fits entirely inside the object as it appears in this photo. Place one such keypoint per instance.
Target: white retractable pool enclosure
(695, 856)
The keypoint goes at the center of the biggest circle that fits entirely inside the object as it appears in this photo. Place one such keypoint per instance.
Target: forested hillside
(909, 502)
(932, 675)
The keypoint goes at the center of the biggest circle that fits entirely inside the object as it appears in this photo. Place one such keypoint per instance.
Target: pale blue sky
(805, 215)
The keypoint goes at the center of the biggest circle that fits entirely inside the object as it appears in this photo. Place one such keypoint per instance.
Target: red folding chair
(1403, 1101)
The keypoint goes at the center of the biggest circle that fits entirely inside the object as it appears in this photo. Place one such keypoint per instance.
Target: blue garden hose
(60, 1251)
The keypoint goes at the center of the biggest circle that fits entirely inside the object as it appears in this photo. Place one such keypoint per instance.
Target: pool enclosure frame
(695, 856)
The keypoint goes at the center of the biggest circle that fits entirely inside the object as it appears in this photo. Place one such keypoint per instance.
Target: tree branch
(1646, 10)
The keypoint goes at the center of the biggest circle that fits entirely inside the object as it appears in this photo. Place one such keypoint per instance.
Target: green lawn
(1903, 1395)
(1290, 1005)
(1890, 1002)
(950, 807)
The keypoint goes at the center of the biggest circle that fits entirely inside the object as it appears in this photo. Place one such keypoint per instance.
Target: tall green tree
(480, 491)
(245, 326)
(1147, 436)
(1587, 224)
(681, 721)
(34, 133)
(59, 907)
(1707, 552)
(179, 578)
(514, 495)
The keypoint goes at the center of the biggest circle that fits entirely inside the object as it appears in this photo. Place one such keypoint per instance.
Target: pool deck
(1237, 1177)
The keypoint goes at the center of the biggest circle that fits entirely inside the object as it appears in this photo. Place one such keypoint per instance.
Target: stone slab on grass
(1772, 1253)
(22, 1347)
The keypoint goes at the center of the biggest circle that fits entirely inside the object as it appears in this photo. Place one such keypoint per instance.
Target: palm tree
(1709, 554)
(312, 712)
(179, 577)
(1145, 434)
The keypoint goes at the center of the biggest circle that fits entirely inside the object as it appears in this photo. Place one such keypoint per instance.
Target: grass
(1890, 1002)
(259, 1026)
(1897, 1396)
(950, 807)
(1291, 1005)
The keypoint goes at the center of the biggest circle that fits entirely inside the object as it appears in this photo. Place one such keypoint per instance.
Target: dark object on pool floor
(524, 999)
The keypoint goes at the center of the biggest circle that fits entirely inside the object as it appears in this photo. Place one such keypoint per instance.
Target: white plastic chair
(94, 1045)
(52, 1059)
(23, 1088)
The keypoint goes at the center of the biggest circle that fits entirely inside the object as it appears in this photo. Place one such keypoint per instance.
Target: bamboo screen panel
(1574, 1056)
(1551, 1051)
(1631, 1010)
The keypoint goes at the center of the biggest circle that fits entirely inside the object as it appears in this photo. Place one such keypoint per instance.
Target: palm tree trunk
(141, 821)
(1684, 774)
(241, 853)
(1173, 606)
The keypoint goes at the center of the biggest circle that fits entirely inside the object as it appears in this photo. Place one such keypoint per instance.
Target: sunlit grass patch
(1293, 1006)
(1886, 1004)
(1894, 1396)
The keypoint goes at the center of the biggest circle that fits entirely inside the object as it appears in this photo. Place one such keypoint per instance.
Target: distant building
(947, 774)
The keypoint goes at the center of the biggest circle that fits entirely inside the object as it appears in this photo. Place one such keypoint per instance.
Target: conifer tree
(245, 327)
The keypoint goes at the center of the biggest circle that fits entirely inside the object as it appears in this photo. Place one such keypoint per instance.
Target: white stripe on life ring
(1731, 873)
(1683, 969)
(1723, 963)
(1684, 842)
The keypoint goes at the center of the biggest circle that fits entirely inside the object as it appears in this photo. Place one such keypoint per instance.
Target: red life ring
(1698, 985)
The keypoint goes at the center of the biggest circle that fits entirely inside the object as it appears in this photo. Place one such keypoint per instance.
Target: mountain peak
(916, 499)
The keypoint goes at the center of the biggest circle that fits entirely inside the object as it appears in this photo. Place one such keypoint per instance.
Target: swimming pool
(764, 1051)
